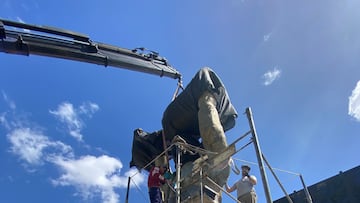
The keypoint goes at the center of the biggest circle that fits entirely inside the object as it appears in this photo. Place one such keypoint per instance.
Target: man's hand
(252, 179)
(247, 175)
(228, 189)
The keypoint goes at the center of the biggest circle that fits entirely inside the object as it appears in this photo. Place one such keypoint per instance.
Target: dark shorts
(155, 195)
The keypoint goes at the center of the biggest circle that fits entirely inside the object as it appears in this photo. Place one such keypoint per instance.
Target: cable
(139, 189)
(253, 163)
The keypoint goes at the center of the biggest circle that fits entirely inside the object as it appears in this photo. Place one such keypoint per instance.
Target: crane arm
(26, 39)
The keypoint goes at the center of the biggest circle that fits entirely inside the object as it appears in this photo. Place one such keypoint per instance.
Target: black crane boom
(26, 39)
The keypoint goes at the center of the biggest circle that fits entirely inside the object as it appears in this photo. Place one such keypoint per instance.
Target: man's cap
(246, 166)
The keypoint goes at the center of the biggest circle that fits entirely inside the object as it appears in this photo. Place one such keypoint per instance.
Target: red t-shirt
(155, 179)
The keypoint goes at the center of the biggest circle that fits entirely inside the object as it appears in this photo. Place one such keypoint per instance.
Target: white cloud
(267, 36)
(9, 102)
(88, 108)
(136, 177)
(91, 176)
(3, 121)
(21, 21)
(30, 146)
(271, 76)
(6, 4)
(70, 116)
(354, 102)
(237, 2)
(25, 7)
(27, 145)
(94, 175)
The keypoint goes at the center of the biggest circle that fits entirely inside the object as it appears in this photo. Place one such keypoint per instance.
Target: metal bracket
(2, 30)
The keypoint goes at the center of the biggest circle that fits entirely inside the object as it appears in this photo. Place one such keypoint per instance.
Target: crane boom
(26, 39)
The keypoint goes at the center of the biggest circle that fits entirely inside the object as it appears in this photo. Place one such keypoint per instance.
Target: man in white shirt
(245, 186)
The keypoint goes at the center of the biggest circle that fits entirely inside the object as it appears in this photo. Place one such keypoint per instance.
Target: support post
(201, 186)
(307, 194)
(178, 168)
(127, 191)
(259, 155)
(277, 180)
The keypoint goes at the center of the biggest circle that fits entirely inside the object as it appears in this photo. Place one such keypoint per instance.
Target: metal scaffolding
(209, 160)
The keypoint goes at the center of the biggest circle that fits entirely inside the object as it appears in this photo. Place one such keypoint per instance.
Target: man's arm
(161, 179)
(230, 189)
(252, 179)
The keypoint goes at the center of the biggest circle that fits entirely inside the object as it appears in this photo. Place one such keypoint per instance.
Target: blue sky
(66, 127)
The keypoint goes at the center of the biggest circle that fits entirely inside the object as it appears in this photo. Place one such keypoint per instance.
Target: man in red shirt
(155, 180)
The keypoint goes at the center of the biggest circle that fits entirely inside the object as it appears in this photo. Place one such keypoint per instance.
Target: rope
(281, 170)
(222, 189)
(233, 165)
(181, 144)
(243, 147)
(145, 197)
(179, 85)
(147, 166)
(199, 150)
(152, 161)
(184, 146)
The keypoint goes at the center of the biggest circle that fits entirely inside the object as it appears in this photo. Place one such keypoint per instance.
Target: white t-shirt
(244, 186)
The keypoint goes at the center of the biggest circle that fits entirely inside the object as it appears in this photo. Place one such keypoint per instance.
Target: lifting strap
(176, 93)
(234, 167)
(179, 86)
